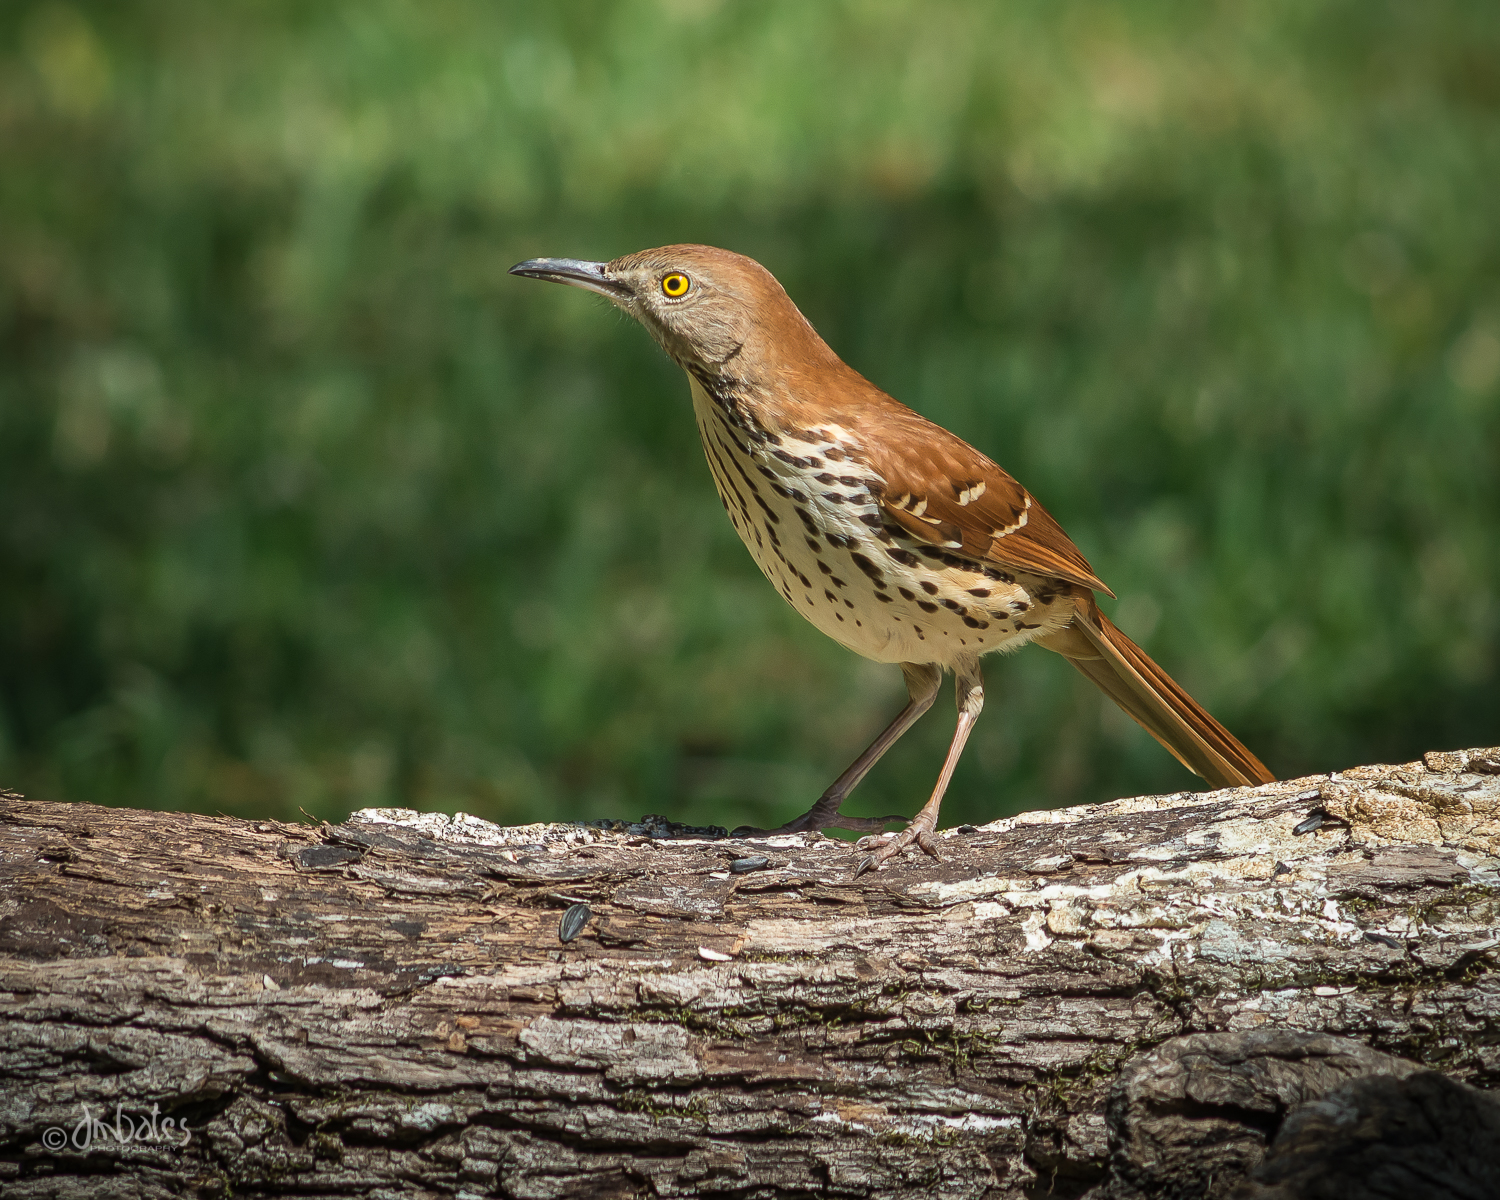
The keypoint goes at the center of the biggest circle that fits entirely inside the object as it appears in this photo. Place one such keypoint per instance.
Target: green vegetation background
(305, 503)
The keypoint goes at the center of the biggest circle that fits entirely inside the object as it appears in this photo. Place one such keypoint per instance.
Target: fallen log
(1129, 999)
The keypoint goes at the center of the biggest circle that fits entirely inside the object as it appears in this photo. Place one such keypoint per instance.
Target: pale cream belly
(816, 535)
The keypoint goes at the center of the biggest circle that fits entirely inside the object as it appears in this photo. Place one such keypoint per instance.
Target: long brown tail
(1126, 674)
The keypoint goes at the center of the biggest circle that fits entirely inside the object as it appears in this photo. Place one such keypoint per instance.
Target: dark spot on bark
(927, 606)
(907, 593)
(929, 587)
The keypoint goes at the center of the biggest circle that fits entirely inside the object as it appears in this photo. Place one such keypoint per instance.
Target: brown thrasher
(891, 535)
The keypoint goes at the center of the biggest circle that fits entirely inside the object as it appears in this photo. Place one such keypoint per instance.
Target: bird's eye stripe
(675, 284)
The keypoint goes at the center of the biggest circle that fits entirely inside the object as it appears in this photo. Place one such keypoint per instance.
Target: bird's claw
(807, 823)
(893, 844)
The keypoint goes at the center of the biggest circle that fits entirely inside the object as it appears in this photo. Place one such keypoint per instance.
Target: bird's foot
(819, 817)
(918, 833)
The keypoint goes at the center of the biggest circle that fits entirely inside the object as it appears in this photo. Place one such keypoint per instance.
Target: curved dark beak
(591, 275)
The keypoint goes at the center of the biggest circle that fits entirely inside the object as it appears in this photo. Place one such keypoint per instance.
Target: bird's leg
(970, 696)
(922, 681)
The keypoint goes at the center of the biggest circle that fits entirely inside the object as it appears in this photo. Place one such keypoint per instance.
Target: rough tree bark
(1121, 1000)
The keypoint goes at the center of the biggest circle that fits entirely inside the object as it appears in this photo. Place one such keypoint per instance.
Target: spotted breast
(808, 507)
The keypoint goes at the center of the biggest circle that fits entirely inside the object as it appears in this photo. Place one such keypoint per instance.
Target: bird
(893, 536)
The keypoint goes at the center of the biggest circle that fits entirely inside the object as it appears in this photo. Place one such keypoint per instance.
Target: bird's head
(720, 311)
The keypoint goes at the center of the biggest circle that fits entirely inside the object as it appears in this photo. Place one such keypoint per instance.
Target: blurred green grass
(305, 504)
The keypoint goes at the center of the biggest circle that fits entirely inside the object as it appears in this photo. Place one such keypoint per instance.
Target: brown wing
(941, 490)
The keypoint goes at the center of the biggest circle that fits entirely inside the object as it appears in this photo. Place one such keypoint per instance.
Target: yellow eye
(675, 284)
